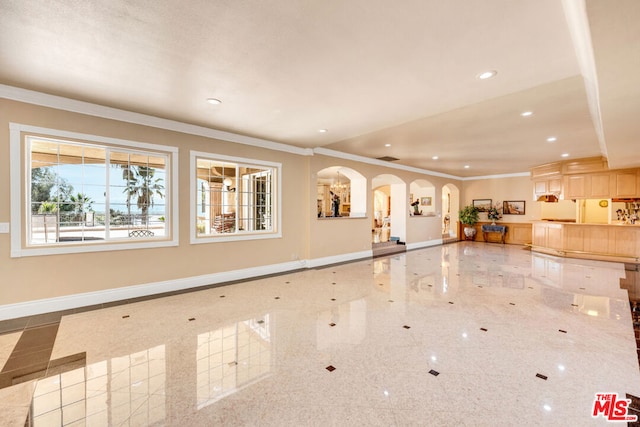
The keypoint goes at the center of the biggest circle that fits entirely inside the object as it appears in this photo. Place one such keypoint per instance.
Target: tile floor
(470, 333)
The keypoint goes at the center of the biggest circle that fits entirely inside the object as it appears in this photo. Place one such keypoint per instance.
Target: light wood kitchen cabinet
(576, 186)
(625, 183)
(539, 235)
(597, 240)
(600, 185)
(606, 242)
(588, 165)
(547, 179)
(546, 171)
(585, 179)
(574, 239)
(603, 185)
(547, 235)
(547, 186)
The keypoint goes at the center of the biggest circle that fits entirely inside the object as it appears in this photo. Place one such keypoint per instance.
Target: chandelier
(339, 186)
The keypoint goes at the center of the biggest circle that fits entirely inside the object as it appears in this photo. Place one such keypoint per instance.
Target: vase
(493, 222)
(470, 233)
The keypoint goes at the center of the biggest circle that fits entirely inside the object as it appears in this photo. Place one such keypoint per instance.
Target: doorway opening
(389, 222)
(450, 208)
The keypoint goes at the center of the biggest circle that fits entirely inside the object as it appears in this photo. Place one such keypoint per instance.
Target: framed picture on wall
(483, 205)
(513, 207)
(426, 201)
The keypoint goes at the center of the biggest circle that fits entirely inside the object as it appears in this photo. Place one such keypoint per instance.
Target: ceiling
(368, 71)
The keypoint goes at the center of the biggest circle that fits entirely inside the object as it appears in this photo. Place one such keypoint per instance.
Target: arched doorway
(450, 208)
(389, 198)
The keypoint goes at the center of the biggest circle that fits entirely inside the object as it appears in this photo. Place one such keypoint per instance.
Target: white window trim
(19, 162)
(193, 239)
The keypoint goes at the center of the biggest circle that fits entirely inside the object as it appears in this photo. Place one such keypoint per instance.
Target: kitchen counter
(605, 242)
(615, 223)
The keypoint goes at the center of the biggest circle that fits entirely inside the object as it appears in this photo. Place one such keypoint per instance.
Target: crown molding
(96, 110)
(87, 108)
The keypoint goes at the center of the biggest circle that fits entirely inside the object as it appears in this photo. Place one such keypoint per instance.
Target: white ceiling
(371, 72)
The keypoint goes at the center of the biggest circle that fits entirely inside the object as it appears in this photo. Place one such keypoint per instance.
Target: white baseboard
(49, 305)
(336, 259)
(30, 308)
(425, 244)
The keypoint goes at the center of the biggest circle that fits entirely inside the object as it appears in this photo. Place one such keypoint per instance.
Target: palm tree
(143, 186)
(80, 201)
(48, 208)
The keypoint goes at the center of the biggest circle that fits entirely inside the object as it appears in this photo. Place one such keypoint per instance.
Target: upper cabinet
(585, 179)
(626, 183)
(576, 186)
(546, 186)
(600, 185)
(587, 165)
(547, 171)
(547, 179)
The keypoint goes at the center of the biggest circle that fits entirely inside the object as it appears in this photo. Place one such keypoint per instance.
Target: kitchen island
(604, 242)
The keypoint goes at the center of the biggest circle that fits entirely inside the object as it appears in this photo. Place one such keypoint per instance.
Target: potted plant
(469, 217)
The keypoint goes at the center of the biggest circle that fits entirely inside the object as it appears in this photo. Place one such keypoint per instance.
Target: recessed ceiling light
(214, 101)
(434, 158)
(552, 139)
(387, 145)
(323, 130)
(487, 74)
(467, 166)
(565, 154)
(526, 113)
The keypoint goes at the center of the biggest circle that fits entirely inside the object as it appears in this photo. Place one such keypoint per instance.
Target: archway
(450, 208)
(341, 192)
(422, 198)
(389, 208)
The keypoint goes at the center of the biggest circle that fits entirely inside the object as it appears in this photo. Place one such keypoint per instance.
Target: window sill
(91, 247)
(232, 238)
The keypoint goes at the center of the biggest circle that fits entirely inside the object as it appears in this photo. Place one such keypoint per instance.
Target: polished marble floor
(465, 334)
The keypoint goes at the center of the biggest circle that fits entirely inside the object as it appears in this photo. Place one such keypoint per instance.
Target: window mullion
(107, 190)
(237, 198)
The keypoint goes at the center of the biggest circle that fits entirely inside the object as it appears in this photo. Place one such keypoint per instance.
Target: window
(83, 194)
(233, 198)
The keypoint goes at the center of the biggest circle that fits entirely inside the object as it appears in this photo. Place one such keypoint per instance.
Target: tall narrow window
(234, 198)
(85, 193)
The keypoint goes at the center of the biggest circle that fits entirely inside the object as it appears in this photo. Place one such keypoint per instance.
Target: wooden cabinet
(547, 179)
(574, 239)
(607, 242)
(546, 171)
(588, 186)
(518, 233)
(600, 185)
(539, 235)
(597, 240)
(576, 187)
(585, 179)
(588, 165)
(547, 235)
(625, 183)
(547, 186)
